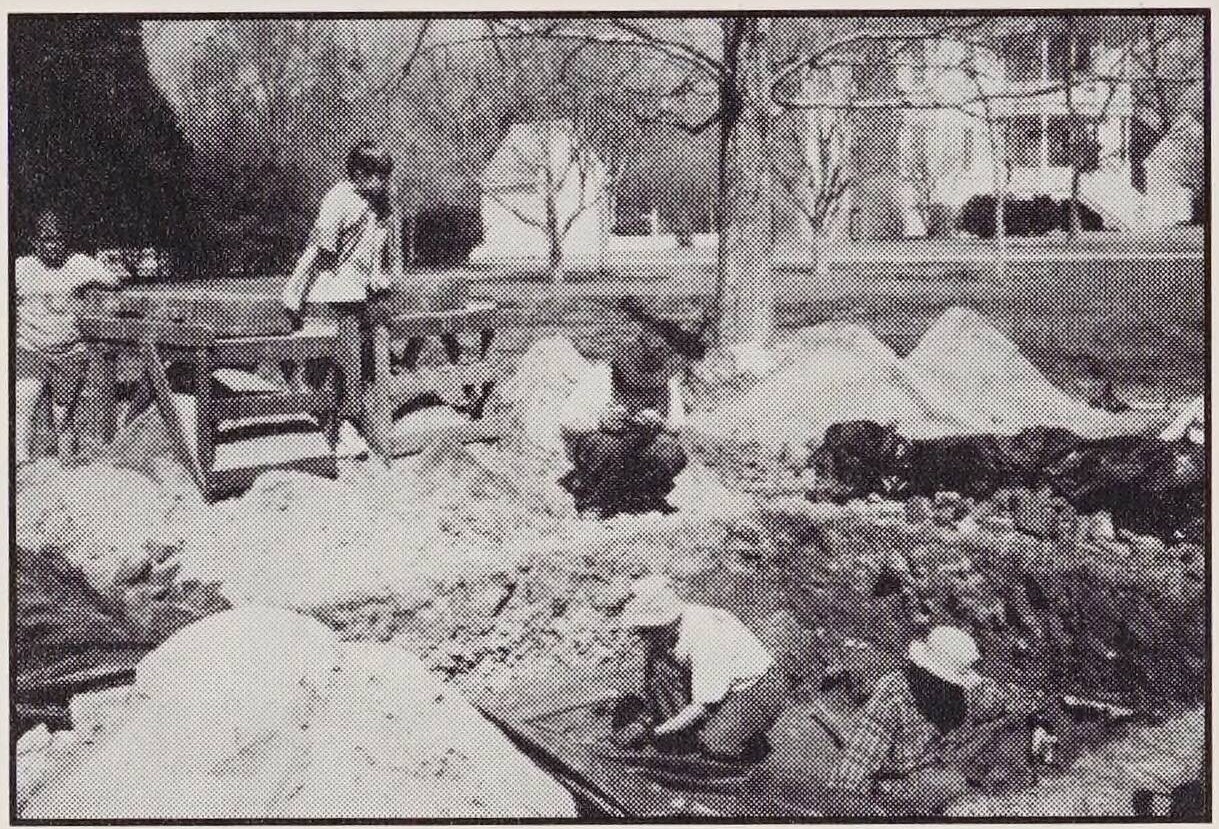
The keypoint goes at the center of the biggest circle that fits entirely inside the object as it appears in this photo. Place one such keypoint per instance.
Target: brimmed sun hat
(653, 603)
(948, 653)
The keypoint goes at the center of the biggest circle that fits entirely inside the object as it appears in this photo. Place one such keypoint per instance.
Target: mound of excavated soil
(545, 376)
(994, 387)
(963, 377)
(824, 375)
(108, 522)
(258, 713)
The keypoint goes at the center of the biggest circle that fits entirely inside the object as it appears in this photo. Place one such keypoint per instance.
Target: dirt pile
(257, 713)
(545, 377)
(108, 522)
(963, 377)
(823, 375)
(994, 387)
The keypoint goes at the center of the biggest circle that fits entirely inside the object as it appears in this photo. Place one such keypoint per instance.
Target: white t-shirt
(593, 394)
(348, 227)
(46, 310)
(722, 653)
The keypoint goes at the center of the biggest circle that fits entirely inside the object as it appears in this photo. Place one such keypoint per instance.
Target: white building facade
(978, 120)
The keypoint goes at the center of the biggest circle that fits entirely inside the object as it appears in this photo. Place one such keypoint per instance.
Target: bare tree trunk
(745, 220)
(1074, 134)
(554, 239)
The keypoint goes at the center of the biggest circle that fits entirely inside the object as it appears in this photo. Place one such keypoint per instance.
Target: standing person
(621, 425)
(709, 684)
(48, 287)
(354, 251)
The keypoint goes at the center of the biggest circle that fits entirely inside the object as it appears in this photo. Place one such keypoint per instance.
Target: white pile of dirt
(299, 541)
(258, 713)
(544, 379)
(825, 374)
(994, 388)
(107, 521)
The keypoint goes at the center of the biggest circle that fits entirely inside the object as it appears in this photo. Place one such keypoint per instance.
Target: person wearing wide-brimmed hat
(907, 725)
(709, 684)
(621, 426)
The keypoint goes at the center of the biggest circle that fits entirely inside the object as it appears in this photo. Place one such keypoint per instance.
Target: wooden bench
(225, 438)
(464, 383)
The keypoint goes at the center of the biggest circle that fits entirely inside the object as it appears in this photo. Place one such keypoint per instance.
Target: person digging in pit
(709, 685)
(621, 427)
(921, 728)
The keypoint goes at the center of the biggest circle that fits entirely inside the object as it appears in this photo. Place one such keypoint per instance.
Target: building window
(1061, 146)
(1059, 137)
(1022, 58)
(1060, 54)
(1022, 141)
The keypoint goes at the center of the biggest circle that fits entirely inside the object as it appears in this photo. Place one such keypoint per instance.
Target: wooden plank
(161, 394)
(300, 346)
(435, 323)
(205, 419)
(256, 405)
(121, 329)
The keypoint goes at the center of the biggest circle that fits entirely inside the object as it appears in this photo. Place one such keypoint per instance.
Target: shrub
(1023, 217)
(445, 234)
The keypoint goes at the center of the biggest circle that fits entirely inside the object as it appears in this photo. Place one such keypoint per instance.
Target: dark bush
(1023, 217)
(637, 226)
(445, 234)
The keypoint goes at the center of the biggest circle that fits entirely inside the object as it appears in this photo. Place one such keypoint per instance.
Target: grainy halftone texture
(951, 273)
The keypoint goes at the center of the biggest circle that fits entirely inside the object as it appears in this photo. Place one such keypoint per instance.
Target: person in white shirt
(354, 252)
(621, 424)
(709, 684)
(48, 287)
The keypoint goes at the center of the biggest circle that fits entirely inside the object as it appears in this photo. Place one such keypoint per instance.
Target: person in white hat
(709, 684)
(908, 719)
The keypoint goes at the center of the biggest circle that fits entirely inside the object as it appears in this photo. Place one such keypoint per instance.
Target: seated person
(900, 756)
(47, 287)
(709, 684)
(620, 427)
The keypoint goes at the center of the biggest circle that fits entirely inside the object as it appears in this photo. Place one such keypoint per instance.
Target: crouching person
(621, 431)
(902, 757)
(709, 685)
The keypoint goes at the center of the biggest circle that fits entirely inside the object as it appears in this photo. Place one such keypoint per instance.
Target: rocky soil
(473, 561)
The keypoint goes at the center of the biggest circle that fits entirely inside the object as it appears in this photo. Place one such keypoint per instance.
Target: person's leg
(597, 479)
(738, 726)
(28, 392)
(350, 354)
(654, 468)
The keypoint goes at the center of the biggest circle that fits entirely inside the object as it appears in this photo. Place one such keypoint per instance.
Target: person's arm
(683, 719)
(864, 754)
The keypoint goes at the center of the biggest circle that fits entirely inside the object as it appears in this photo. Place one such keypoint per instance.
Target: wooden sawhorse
(464, 383)
(224, 442)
